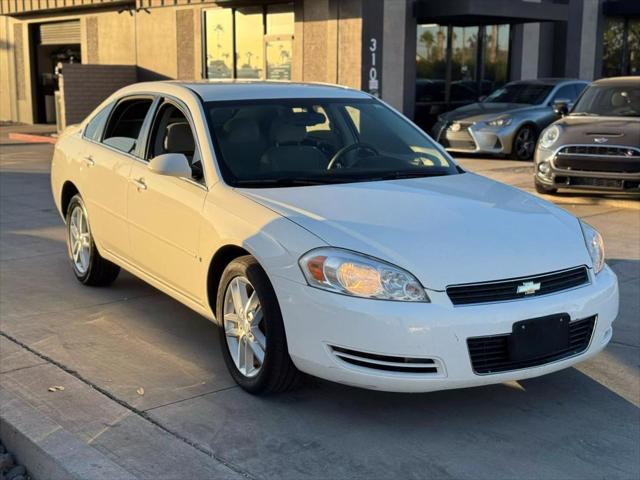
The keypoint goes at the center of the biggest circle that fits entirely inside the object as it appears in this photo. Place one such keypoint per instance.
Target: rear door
(109, 158)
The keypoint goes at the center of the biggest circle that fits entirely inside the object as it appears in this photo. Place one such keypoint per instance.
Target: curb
(47, 449)
(32, 138)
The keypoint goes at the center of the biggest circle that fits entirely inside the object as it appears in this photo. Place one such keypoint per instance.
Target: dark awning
(621, 7)
(473, 12)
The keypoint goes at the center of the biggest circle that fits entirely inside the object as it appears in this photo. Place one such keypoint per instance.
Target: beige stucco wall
(7, 87)
(116, 39)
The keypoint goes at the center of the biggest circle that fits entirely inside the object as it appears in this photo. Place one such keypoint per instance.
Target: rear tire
(88, 266)
(524, 143)
(543, 189)
(251, 322)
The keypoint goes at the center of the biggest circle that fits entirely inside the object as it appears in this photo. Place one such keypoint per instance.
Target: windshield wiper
(401, 175)
(284, 182)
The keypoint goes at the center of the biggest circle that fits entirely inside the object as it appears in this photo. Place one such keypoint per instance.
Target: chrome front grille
(598, 158)
(518, 288)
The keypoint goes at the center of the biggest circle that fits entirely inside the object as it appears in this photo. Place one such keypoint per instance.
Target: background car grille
(595, 158)
(491, 354)
(387, 363)
(461, 139)
(508, 289)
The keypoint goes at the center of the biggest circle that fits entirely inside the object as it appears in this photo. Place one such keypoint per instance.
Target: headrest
(242, 130)
(179, 139)
(284, 132)
(619, 99)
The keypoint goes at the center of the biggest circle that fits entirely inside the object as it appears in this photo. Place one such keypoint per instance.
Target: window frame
(135, 153)
(150, 123)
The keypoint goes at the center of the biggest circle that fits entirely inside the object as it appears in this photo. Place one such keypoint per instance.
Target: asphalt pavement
(146, 393)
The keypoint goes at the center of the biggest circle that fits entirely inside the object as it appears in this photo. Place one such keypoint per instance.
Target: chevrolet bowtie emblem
(601, 139)
(529, 288)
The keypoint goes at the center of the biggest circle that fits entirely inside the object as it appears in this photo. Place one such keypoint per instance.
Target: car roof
(547, 81)
(225, 90)
(619, 81)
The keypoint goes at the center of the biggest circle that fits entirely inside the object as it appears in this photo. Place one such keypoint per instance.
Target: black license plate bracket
(539, 337)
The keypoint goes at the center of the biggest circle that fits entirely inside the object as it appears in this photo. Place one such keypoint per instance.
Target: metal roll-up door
(60, 33)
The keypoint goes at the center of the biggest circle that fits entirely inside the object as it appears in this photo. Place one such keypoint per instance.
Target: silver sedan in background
(509, 120)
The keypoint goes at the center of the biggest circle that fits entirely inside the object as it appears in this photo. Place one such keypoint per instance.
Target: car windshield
(527, 93)
(611, 101)
(280, 143)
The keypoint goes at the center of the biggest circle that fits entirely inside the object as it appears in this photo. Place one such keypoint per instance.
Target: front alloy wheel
(252, 334)
(524, 143)
(244, 327)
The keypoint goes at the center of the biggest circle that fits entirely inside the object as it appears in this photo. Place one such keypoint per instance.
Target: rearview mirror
(561, 107)
(171, 165)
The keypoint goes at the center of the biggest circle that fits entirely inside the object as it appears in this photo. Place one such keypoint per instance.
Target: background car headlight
(500, 122)
(350, 273)
(550, 136)
(595, 246)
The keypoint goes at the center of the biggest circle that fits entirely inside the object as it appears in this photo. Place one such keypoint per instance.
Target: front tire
(524, 143)
(252, 335)
(88, 266)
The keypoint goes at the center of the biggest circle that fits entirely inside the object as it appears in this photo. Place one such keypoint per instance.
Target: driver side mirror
(171, 165)
(561, 107)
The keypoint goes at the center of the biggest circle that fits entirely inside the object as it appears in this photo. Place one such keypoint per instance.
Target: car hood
(616, 130)
(445, 230)
(484, 111)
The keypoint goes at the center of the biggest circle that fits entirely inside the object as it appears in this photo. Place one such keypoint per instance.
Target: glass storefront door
(456, 66)
(621, 47)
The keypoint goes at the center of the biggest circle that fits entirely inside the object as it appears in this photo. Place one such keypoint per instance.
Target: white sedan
(324, 233)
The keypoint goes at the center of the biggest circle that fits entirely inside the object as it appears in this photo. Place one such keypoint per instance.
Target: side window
(95, 127)
(125, 123)
(171, 133)
(567, 92)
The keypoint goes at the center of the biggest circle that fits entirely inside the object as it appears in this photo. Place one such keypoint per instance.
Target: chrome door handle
(89, 161)
(139, 183)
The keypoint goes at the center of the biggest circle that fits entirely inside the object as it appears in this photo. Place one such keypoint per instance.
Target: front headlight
(350, 273)
(549, 136)
(595, 246)
(500, 122)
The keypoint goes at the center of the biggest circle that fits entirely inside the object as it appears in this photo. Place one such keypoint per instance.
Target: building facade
(422, 56)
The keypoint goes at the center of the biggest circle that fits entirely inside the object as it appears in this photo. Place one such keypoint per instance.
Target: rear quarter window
(95, 127)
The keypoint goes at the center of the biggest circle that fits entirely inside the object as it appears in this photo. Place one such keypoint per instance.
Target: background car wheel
(543, 189)
(524, 143)
(252, 334)
(89, 267)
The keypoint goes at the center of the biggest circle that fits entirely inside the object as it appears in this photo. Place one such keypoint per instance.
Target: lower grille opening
(492, 355)
(387, 363)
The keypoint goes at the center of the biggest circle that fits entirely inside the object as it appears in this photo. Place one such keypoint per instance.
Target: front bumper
(316, 321)
(583, 178)
(474, 137)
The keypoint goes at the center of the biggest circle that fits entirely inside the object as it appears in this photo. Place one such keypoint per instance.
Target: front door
(164, 213)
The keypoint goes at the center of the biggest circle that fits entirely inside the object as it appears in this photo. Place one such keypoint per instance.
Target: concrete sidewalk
(191, 421)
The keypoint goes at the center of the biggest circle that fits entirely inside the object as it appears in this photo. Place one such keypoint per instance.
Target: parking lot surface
(145, 385)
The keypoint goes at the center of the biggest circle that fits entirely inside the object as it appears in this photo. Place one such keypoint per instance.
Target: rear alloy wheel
(252, 334)
(88, 266)
(524, 143)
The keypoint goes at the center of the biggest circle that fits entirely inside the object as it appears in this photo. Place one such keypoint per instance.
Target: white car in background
(324, 233)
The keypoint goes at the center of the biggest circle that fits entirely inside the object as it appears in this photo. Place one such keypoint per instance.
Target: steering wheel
(334, 162)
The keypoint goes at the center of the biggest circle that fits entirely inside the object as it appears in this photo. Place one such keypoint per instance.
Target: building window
(621, 47)
(249, 42)
(458, 65)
